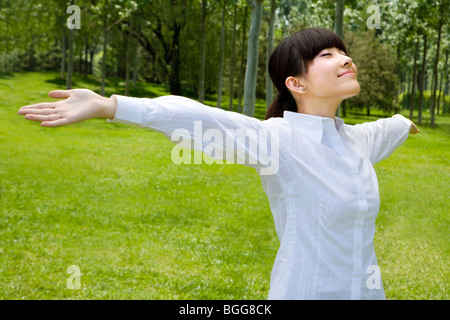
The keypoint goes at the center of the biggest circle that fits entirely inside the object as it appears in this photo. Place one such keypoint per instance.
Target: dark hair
(292, 58)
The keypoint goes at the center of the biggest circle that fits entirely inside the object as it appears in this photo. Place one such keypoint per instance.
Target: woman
(324, 192)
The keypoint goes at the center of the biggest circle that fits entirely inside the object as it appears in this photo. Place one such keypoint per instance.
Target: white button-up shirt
(323, 193)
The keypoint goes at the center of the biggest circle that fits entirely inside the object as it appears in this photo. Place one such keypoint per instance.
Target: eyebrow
(331, 49)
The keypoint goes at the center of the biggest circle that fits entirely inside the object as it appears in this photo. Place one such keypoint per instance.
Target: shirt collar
(313, 126)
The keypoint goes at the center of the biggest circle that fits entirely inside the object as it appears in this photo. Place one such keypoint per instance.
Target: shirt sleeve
(220, 134)
(382, 137)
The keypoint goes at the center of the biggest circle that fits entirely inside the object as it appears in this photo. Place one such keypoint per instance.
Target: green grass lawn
(108, 199)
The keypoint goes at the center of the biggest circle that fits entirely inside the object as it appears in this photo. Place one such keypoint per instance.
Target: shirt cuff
(129, 110)
(405, 120)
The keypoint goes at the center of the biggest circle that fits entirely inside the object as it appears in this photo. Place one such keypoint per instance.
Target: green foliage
(165, 38)
(426, 100)
(376, 72)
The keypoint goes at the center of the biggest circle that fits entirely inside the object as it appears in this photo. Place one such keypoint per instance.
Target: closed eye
(325, 54)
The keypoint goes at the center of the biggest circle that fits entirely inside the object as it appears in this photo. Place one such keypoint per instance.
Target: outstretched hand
(414, 129)
(79, 105)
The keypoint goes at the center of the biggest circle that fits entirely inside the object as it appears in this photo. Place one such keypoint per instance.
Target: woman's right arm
(224, 135)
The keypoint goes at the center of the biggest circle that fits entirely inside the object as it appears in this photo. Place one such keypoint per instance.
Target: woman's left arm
(413, 129)
(382, 137)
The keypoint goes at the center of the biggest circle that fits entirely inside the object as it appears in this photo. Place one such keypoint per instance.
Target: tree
(412, 96)
(201, 84)
(105, 45)
(442, 14)
(421, 77)
(23, 35)
(376, 72)
(252, 58)
(243, 60)
(233, 56)
(445, 79)
(221, 55)
(270, 36)
(407, 23)
(339, 18)
(70, 63)
(160, 35)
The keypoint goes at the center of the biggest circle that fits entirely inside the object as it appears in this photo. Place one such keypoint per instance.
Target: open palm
(79, 105)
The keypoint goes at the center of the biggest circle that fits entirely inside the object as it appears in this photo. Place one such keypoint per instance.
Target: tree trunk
(438, 102)
(435, 69)
(252, 59)
(421, 79)
(175, 62)
(405, 91)
(441, 81)
(127, 65)
(242, 72)
(80, 60)
(201, 81)
(91, 59)
(413, 91)
(409, 89)
(339, 18)
(70, 64)
(445, 93)
(63, 55)
(430, 100)
(233, 58)
(86, 54)
(105, 46)
(121, 53)
(136, 65)
(221, 56)
(269, 84)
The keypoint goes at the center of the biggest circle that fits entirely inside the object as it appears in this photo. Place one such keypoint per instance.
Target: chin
(354, 91)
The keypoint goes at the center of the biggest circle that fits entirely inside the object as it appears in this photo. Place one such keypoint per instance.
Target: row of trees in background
(220, 47)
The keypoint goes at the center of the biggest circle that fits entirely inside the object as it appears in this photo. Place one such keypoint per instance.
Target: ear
(295, 85)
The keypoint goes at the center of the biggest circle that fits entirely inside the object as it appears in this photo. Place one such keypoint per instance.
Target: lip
(347, 73)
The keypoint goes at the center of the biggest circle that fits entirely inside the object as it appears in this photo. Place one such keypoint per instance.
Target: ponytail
(282, 102)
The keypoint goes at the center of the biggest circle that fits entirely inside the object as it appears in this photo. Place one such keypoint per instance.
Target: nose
(348, 62)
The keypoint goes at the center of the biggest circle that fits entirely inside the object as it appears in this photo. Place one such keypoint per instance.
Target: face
(332, 74)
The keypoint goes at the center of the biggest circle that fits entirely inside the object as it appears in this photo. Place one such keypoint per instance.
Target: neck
(318, 106)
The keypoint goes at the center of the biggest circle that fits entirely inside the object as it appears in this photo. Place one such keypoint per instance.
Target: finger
(59, 94)
(43, 105)
(40, 118)
(55, 123)
(37, 111)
